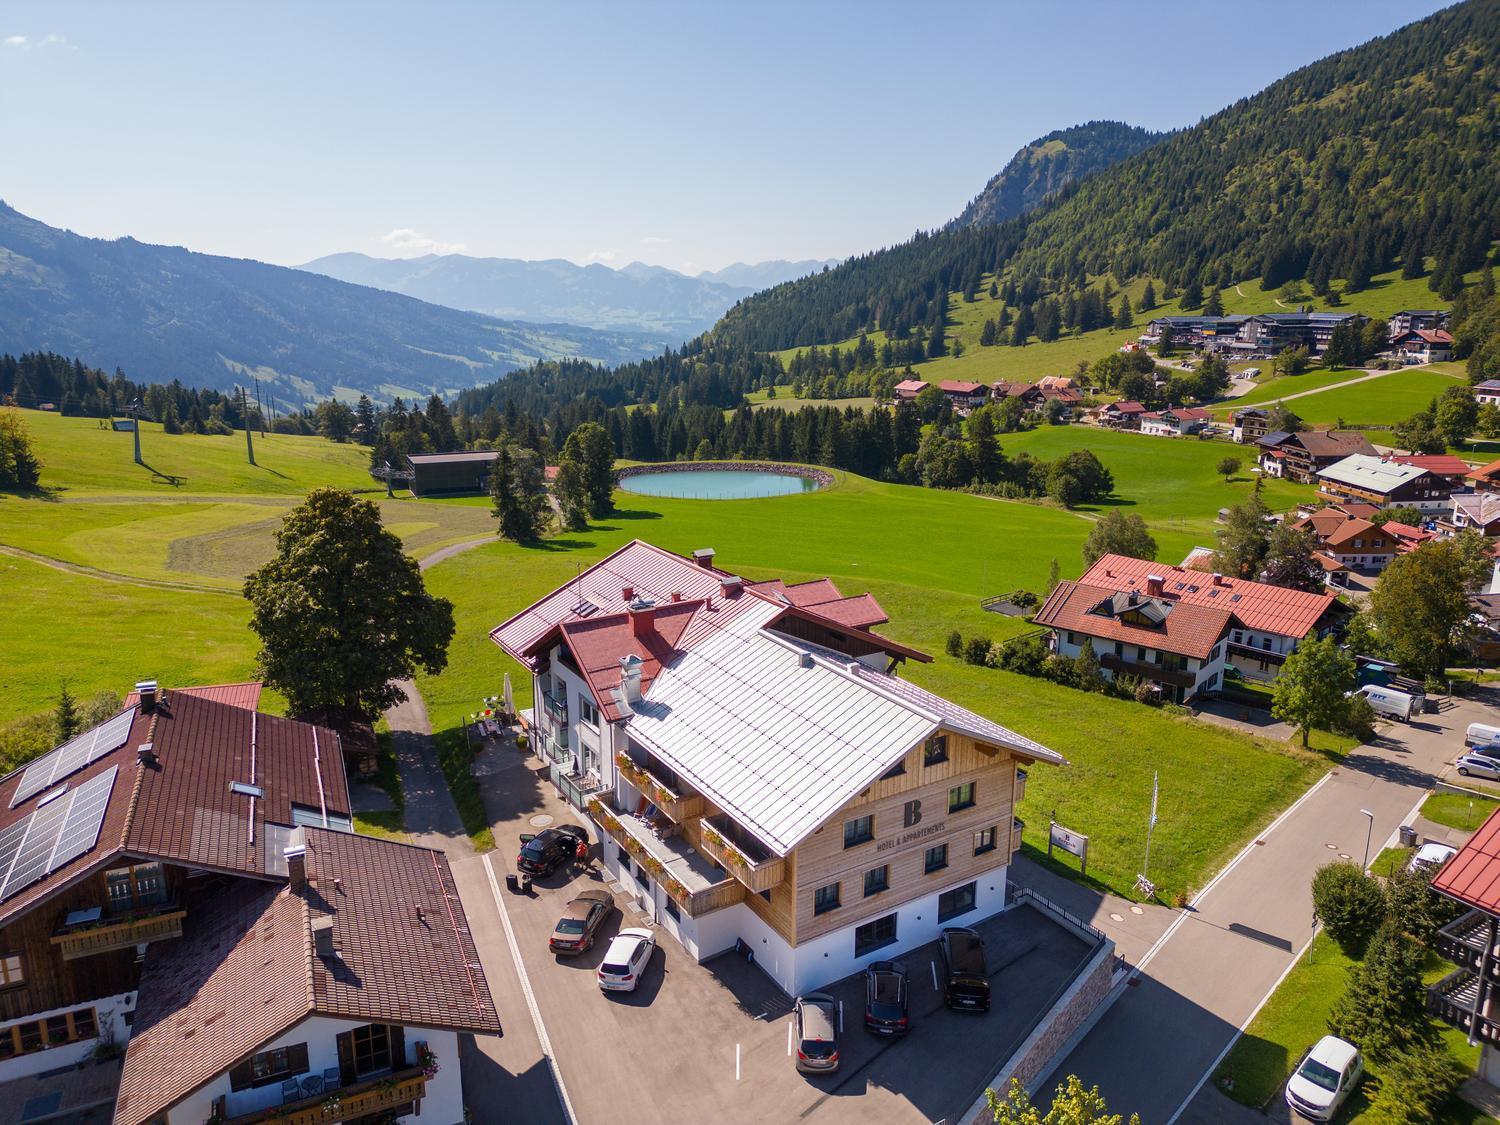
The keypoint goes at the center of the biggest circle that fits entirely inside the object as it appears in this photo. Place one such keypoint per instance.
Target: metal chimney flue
(147, 691)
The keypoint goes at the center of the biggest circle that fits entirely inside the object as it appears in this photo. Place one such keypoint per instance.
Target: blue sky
(690, 135)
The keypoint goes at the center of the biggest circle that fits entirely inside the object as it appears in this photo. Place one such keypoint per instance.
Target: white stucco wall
(109, 1014)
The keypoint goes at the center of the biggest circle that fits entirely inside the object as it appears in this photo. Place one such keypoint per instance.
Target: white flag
(1155, 786)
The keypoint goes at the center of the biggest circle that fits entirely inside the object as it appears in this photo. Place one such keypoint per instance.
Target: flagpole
(1151, 824)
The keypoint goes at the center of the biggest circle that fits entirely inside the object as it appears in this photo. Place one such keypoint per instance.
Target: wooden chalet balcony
(678, 806)
(691, 881)
(360, 1099)
(1019, 793)
(757, 874)
(1462, 941)
(1452, 1000)
(1017, 826)
(101, 935)
(1157, 673)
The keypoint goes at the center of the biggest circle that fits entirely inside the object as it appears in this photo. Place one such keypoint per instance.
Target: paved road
(1229, 948)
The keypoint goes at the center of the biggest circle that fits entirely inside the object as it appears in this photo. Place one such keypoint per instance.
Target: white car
(1326, 1077)
(1431, 856)
(626, 960)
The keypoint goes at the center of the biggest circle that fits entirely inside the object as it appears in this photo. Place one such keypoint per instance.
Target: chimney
(322, 930)
(146, 689)
(704, 557)
(643, 617)
(1154, 584)
(628, 593)
(677, 595)
(296, 859)
(145, 754)
(630, 678)
(1219, 579)
(731, 585)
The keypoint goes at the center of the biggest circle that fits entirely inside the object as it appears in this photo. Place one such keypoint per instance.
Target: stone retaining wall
(819, 477)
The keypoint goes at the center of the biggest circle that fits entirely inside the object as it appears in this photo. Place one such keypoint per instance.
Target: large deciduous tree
(341, 611)
(1072, 1104)
(1116, 533)
(1289, 561)
(1309, 692)
(1421, 608)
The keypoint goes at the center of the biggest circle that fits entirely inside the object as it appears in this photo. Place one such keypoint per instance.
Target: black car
(886, 994)
(549, 849)
(966, 982)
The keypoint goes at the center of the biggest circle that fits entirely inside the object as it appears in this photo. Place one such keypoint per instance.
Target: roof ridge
(135, 789)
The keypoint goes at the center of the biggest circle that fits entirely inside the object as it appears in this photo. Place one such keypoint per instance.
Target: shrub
(1358, 719)
(1413, 908)
(1349, 903)
(1146, 692)
(1025, 655)
(1382, 1012)
(1414, 1085)
(1022, 599)
(977, 650)
(955, 646)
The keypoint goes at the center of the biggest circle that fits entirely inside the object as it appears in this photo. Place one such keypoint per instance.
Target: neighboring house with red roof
(1174, 421)
(1361, 546)
(1452, 469)
(963, 394)
(908, 389)
(1486, 478)
(1469, 997)
(1429, 345)
(1407, 537)
(1474, 511)
(1028, 393)
(135, 858)
(1300, 456)
(755, 766)
(1123, 415)
(1265, 622)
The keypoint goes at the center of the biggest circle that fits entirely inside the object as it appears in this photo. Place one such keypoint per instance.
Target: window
(36, 1035)
(1265, 643)
(961, 797)
(1140, 654)
(587, 712)
(269, 1066)
(895, 771)
(1214, 655)
(873, 935)
(672, 911)
(935, 750)
(309, 817)
(766, 895)
(826, 899)
(984, 840)
(134, 888)
(877, 879)
(1238, 637)
(12, 971)
(1072, 640)
(936, 858)
(860, 830)
(960, 900)
(372, 1048)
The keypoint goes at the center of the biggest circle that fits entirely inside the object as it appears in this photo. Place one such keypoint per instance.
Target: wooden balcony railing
(1020, 791)
(1146, 670)
(119, 932)
(361, 1099)
(678, 806)
(1017, 826)
(757, 875)
(695, 903)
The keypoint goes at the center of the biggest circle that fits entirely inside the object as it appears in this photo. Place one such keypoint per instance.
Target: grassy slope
(1382, 401)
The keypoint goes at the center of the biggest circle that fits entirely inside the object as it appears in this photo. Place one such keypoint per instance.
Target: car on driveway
(1478, 765)
(887, 994)
(966, 981)
(817, 1024)
(1325, 1079)
(549, 849)
(626, 960)
(1431, 856)
(579, 926)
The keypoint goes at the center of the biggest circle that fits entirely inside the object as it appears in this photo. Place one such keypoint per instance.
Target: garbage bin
(512, 884)
(1408, 836)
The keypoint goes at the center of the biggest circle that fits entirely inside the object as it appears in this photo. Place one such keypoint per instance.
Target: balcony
(556, 707)
(678, 806)
(695, 886)
(1462, 941)
(1453, 999)
(1017, 826)
(752, 866)
(1156, 673)
(1019, 793)
(361, 1099)
(84, 933)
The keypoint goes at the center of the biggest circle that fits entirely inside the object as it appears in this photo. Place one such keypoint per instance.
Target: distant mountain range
(1048, 163)
(636, 297)
(164, 313)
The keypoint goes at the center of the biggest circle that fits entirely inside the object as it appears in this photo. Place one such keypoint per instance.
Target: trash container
(512, 884)
(1408, 836)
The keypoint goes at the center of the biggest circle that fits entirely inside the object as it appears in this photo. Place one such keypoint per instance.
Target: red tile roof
(1127, 406)
(1407, 535)
(1473, 875)
(914, 386)
(1363, 530)
(1188, 630)
(1443, 464)
(1266, 608)
(599, 644)
(823, 597)
(245, 970)
(959, 387)
(1323, 522)
(1486, 473)
(246, 695)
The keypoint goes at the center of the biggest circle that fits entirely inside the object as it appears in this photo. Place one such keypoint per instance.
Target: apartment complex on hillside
(756, 769)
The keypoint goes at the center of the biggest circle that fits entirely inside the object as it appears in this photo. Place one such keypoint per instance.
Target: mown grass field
(1382, 401)
(928, 556)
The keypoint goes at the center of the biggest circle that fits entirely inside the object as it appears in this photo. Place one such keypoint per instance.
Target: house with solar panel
(182, 883)
(1182, 629)
(759, 773)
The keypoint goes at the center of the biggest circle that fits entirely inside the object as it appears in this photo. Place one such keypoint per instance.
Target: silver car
(1478, 765)
(817, 1030)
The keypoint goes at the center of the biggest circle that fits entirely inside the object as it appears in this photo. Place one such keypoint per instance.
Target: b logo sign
(912, 815)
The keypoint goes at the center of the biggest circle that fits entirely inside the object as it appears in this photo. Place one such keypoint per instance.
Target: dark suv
(886, 995)
(966, 983)
(549, 849)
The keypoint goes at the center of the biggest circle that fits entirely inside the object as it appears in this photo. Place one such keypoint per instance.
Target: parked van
(1390, 703)
(1480, 733)
(966, 982)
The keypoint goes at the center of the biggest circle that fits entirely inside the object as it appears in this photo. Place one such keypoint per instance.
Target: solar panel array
(72, 756)
(38, 845)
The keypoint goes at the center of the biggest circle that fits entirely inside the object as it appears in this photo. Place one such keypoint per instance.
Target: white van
(1479, 734)
(1390, 703)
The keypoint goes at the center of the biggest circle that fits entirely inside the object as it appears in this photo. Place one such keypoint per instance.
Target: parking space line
(736, 1062)
(531, 1004)
(788, 1038)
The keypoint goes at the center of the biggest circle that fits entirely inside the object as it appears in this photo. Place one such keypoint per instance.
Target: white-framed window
(587, 712)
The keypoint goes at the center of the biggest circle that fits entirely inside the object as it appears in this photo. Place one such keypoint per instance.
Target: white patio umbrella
(508, 695)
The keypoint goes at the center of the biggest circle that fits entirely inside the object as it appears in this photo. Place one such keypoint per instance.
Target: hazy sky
(689, 135)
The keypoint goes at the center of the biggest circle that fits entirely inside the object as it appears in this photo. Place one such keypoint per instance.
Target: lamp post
(1369, 831)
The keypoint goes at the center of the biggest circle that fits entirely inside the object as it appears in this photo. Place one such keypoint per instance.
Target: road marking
(1266, 999)
(736, 1062)
(531, 1005)
(789, 1038)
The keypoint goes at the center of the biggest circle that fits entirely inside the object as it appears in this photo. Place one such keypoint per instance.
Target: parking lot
(713, 1041)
